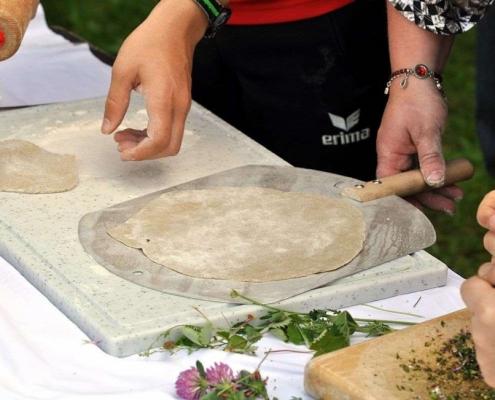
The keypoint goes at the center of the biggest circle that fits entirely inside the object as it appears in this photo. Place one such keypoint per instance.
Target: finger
(415, 202)
(474, 292)
(175, 143)
(485, 355)
(452, 192)
(487, 272)
(392, 164)
(482, 333)
(158, 131)
(486, 211)
(117, 101)
(431, 161)
(130, 134)
(180, 115)
(127, 145)
(437, 202)
(489, 242)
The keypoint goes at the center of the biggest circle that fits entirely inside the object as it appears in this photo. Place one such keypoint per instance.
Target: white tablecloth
(43, 355)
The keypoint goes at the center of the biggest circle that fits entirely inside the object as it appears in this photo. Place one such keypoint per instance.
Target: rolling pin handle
(407, 183)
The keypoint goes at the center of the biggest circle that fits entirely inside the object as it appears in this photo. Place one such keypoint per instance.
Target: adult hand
(156, 60)
(479, 295)
(411, 130)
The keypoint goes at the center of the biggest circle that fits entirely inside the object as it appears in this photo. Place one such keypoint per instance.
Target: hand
(486, 218)
(156, 60)
(479, 294)
(412, 126)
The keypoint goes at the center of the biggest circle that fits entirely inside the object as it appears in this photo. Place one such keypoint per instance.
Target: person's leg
(485, 89)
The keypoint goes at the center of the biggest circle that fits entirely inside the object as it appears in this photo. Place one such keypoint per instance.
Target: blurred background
(105, 24)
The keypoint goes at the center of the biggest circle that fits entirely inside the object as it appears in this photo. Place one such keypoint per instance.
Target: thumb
(486, 211)
(431, 161)
(391, 161)
(116, 103)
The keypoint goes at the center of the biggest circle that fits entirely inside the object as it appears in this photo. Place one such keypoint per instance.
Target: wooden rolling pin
(14, 19)
(408, 183)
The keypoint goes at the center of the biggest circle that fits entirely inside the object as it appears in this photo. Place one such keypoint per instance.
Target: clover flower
(219, 382)
(219, 373)
(189, 384)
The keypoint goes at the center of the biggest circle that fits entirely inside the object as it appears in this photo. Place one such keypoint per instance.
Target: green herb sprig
(321, 331)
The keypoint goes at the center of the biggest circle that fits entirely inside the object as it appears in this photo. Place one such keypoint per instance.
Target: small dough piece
(27, 168)
(245, 233)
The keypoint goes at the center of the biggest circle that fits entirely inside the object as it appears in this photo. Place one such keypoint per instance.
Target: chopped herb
(454, 373)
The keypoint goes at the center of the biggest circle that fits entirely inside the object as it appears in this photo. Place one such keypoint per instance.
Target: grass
(459, 242)
(106, 24)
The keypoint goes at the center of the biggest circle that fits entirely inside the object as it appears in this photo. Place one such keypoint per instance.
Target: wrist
(181, 17)
(216, 13)
(409, 44)
(420, 72)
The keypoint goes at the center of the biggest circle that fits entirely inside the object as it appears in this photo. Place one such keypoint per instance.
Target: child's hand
(156, 60)
(479, 294)
(486, 218)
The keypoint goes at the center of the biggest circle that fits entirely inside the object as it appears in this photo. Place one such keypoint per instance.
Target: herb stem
(385, 321)
(289, 351)
(393, 311)
(235, 293)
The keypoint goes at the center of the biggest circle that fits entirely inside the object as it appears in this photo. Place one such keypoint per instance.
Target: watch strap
(216, 13)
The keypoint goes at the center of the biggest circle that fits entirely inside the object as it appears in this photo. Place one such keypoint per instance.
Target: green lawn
(106, 23)
(459, 237)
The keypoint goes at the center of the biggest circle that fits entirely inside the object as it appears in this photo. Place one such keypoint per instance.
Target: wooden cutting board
(372, 370)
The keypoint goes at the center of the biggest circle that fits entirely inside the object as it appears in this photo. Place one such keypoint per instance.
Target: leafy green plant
(321, 331)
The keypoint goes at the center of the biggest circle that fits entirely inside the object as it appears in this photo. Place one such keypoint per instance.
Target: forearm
(183, 17)
(410, 45)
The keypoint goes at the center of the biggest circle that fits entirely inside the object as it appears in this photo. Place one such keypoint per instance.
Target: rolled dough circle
(245, 233)
(27, 168)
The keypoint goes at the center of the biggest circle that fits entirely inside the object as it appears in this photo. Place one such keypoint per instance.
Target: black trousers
(311, 91)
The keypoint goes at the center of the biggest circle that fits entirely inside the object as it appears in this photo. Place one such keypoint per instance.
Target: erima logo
(346, 124)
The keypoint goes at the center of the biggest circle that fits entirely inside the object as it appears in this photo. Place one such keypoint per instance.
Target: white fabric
(45, 356)
(49, 69)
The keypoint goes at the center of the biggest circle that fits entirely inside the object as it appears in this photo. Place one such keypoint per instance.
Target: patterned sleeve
(444, 17)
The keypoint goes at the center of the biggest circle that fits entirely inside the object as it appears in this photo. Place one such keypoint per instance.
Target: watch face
(222, 18)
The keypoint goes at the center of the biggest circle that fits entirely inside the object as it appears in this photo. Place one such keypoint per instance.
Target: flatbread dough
(27, 168)
(245, 233)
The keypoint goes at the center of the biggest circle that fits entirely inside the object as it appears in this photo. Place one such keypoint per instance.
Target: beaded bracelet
(420, 71)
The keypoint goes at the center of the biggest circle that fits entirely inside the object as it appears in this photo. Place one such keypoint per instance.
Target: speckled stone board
(39, 233)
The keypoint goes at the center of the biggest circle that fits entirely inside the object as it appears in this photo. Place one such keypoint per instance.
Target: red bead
(421, 70)
(2, 38)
